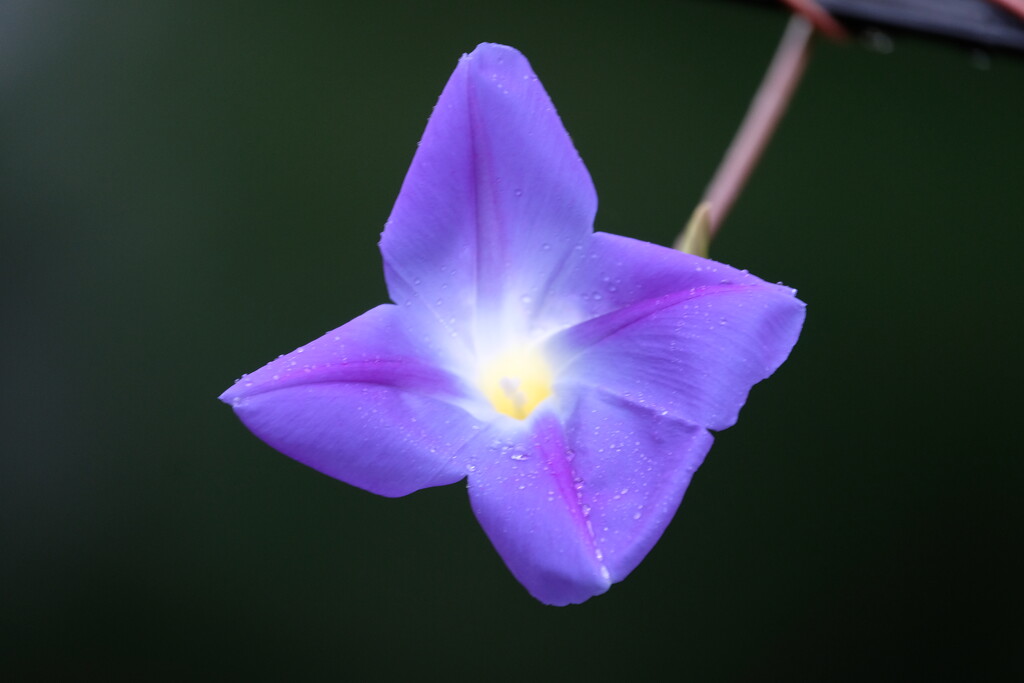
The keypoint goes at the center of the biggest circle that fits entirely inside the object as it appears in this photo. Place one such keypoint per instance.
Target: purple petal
(364, 404)
(574, 508)
(692, 354)
(633, 466)
(523, 491)
(611, 272)
(494, 202)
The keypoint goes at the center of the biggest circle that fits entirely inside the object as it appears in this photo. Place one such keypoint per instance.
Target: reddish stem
(1012, 6)
(762, 117)
(821, 19)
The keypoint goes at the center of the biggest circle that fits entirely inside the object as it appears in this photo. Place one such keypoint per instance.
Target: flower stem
(762, 117)
(822, 20)
(1013, 6)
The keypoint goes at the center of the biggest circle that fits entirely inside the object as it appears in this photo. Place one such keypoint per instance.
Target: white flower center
(516, 381)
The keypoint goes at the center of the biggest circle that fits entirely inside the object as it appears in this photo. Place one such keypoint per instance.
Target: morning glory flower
(571, 377)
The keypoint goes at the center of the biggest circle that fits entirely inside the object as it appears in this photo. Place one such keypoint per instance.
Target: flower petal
(633, 466)
(494, 202)
(611, 272)
(693, 354)
(363, 405)
(573, 508)
(523, 492)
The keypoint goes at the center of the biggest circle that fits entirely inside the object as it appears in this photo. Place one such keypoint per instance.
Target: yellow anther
(516, 381)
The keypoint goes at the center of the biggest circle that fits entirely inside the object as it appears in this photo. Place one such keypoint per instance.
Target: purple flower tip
(572, 377)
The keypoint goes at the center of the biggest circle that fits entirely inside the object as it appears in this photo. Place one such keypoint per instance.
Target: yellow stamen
(516, 381)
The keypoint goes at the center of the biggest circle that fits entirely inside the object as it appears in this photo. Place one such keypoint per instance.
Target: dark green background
(189, 189)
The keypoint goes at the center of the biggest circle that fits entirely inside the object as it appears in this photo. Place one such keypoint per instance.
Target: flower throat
(516, 381)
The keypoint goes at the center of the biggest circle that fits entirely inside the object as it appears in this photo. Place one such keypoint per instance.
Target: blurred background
(189, 189)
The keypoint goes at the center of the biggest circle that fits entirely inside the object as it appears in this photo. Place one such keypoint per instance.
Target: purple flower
(570, 376)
